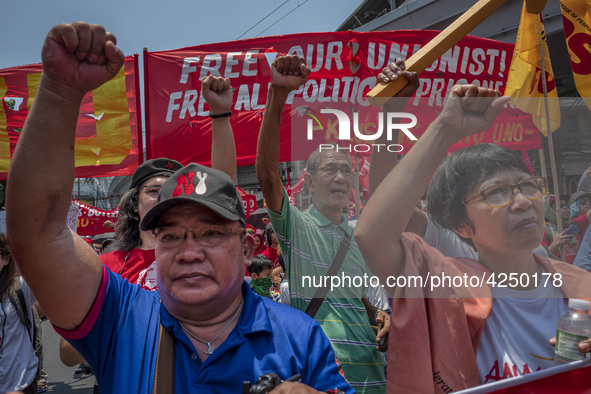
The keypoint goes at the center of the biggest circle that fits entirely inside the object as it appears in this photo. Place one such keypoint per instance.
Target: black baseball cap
(578, 195)
(153, 168)
(209, 187)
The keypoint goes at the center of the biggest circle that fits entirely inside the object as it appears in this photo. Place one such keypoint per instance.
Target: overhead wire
(279, 20)
(266, 16)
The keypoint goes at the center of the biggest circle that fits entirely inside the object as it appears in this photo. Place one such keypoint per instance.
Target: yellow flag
(576, 16)
(524, 83)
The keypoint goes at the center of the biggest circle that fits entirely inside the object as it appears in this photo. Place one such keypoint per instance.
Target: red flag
(297, 189)
(364, 177)
(249, 201)
(574, 377)
(292, 199)
(108, 135)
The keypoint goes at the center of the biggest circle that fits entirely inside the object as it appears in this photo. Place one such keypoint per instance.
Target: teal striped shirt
(309, 242)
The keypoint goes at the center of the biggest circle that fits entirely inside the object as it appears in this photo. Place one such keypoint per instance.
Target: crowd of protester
(168, 306)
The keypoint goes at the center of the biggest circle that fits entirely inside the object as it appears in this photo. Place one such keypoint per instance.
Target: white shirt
(515, 338)
(18, 363)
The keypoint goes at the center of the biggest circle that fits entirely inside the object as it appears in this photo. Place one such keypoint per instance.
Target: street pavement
(61, 379)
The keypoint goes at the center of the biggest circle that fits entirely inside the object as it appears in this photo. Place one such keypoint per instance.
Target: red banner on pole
(571, 378)
(91, 220)
(249, 201)
(344, 68)
(107, 134)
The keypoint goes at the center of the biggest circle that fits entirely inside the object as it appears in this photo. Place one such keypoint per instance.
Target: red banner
(91, 220)
(249, 201)
(344, 68)
(108, 136)
(571, 378)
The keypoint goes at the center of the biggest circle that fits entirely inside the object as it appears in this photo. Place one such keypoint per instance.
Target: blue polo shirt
(119, 339)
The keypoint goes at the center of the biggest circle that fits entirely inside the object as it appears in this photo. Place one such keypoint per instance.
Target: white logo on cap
(201, 188)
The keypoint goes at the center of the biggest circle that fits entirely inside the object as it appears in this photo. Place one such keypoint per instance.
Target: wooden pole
(535, 6)
(551, 148)
(356, 187)
(436, 47)
(543, 163)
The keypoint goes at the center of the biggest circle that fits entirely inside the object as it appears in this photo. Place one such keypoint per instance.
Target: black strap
(20, 305)
(321, 293)
(17, 298)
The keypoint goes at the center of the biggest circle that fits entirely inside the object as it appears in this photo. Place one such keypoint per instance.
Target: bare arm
(217, 91)
(389, 210)
(68, 355)
(287, 73)
(61, 269)
(383, 161)
(381, 319)
(277, 271)
(40, 311)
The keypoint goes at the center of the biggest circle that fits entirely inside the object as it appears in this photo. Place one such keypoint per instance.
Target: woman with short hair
(19, 366)
(499, 312)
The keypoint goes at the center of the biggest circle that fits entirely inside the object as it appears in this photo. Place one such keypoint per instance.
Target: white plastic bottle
(573, 327)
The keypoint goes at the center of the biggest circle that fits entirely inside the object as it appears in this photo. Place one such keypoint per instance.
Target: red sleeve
(583, 223)
(545, 241)
(266, 252)
(112, 261)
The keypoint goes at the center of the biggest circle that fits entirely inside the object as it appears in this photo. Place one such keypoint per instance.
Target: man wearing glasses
(222, 334)
(310, 240)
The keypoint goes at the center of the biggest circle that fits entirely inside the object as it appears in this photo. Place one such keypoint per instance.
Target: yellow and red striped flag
(576, 17)
(524, 83)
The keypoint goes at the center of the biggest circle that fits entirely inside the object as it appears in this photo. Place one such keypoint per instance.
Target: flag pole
(356, 187)
(551, 146)
(550, 142)
(543, 163)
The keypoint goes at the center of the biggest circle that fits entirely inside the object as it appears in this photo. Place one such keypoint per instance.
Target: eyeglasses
(584, 201)
(499, 196)
(332, 169)
(210, 236)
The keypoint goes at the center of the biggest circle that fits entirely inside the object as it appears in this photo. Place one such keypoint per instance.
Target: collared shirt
(309, 242)
(119, 339)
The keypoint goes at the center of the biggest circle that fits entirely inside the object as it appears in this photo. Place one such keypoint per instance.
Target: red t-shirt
(137, 260)
(583, 223)
(272, 255)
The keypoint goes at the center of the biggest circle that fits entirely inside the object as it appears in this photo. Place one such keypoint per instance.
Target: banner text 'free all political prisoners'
(344, 67)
